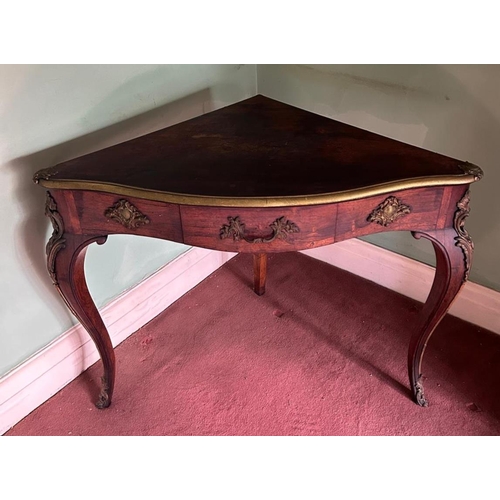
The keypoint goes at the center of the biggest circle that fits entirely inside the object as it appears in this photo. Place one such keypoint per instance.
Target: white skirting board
(40, 377)
(475, 303)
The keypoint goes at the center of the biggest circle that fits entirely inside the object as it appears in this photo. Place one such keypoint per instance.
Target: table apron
(257, 230)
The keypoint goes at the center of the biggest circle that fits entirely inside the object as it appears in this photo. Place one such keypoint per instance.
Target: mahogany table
(258, 176)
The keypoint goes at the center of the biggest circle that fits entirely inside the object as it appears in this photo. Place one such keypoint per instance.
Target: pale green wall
(51, 113)
(450, 109)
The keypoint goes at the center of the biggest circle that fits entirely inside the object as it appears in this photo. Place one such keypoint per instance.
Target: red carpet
(323, 352)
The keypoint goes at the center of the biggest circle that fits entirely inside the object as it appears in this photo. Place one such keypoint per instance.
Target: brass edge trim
(284, 201)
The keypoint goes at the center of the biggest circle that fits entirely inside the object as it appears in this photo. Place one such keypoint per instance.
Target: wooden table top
(256, 152)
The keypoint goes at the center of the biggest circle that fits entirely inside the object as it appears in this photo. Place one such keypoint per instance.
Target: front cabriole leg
(454, 248)
(65, 263)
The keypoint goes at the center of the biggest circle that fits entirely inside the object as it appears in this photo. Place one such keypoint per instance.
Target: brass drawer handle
(281, 227)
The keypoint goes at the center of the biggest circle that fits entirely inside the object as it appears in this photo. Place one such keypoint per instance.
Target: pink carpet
(323, 352)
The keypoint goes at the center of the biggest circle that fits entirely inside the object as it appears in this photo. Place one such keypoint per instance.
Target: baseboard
(475, 303)
(44, 374)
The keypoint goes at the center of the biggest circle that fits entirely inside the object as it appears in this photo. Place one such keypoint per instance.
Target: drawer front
(259, 229)
(114, 214)
(254, 230)
(413, 209)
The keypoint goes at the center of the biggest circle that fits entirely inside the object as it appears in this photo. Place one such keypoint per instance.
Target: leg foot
(104, 397)
(418, 393)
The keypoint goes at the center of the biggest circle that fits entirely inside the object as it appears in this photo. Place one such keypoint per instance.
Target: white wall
(451, 109)
(51, 113)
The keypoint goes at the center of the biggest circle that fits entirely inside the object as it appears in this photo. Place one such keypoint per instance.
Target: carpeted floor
(323, 352)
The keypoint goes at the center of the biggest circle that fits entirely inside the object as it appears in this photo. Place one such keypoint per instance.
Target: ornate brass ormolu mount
(389, 211)
(126, 214)
(281, 228)
(419, 393)
(463, 240)
(44, 174)
(56, 241)
(471, 169)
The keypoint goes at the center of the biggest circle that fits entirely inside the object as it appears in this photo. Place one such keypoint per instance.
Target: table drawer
(259, 229)
(114, 214)
(402, 210)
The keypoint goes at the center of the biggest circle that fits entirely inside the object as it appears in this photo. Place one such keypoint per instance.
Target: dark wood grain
(257, 148)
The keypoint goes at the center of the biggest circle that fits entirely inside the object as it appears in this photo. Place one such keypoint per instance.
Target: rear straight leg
(259, 273)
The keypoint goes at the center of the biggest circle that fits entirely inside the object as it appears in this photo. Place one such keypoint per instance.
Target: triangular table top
(258, 152)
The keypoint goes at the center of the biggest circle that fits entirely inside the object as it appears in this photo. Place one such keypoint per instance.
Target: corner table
(258, 176)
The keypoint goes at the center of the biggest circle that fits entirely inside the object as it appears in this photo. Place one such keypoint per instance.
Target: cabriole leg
(65, 263)
(72, 285)
(454, 250)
